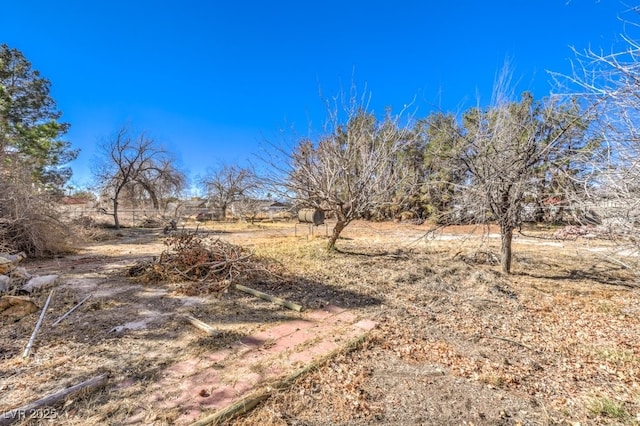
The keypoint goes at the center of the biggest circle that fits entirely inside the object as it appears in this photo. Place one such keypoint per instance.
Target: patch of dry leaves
(563, 345)
(457, 342)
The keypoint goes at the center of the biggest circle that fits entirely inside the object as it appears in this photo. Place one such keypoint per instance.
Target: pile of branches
(208, 264)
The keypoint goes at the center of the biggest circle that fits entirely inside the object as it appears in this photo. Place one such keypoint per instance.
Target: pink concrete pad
(218, 398)
(276, 332)
(318, 330)
(257, 359)
(326, 312)
(366, 325)
(183, 368)
(293, 340)
(216, 357)
(247, 383)
(342, 317)
(187, 390)
(322, 348)
(225, 395)
(299, 337)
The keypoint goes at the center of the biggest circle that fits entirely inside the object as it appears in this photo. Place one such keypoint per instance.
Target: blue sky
(212, 80)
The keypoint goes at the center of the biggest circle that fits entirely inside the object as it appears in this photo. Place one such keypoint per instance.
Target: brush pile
(209, 264)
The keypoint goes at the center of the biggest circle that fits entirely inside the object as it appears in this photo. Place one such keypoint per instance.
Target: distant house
(75, 201)
(193, 208)
(264, 209)
(276, 208)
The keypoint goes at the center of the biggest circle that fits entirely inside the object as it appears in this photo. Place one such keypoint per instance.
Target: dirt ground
(457, 342)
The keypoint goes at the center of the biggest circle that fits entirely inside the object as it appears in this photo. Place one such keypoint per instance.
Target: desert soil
(457, 341)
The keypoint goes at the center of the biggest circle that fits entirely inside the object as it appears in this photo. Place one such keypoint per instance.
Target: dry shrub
(29, 221)
(86, 228)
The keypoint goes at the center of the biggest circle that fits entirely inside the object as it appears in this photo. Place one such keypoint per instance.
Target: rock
(6, 265)
(15, 258)
(16, 306)
(9, 261)
(5, 283)
(20, 274)
(40, 283)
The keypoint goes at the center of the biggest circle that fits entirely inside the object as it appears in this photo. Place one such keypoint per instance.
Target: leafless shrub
(87, 228)
(607, 84)
(29, 221)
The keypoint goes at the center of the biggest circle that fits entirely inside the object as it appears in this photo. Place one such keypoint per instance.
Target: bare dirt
(457, 342)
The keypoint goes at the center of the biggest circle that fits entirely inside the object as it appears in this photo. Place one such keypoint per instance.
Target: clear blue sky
(211, 79)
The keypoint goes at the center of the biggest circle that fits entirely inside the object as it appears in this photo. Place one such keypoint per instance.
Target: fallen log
(202, 326)
(35, 330)
(70, 311)
(35, 409)
(249, 402)
(273, 299)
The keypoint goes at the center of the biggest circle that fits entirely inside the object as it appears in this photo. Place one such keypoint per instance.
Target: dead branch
(202, 326)
(214, 266)
(273, 299)
(70, 311)
(20, 413)
(35, 330)
(515, 342)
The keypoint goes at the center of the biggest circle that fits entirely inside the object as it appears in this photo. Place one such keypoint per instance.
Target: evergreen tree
(30, 126)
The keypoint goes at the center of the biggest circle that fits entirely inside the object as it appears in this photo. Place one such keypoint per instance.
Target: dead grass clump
(481, 257)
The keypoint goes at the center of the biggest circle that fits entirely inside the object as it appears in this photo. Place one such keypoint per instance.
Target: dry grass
(553, 343)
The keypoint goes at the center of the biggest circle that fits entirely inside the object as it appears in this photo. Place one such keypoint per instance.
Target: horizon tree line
(484, 165)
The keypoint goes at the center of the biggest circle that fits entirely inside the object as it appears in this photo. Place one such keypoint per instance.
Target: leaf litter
(457, 341)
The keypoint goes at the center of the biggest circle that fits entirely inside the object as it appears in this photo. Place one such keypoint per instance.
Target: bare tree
(249, 207)
(350, 169)
(508, 144)
(131, 163)
(227, 184)
(608, 84)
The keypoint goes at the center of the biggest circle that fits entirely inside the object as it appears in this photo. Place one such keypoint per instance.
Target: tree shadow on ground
(373, 253)
(609, 277)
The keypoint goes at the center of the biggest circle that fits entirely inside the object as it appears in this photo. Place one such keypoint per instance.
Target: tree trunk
(116, 222)
(340, 225)
(506, 235)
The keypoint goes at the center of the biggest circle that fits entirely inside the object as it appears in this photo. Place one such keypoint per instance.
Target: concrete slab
(215, 380)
